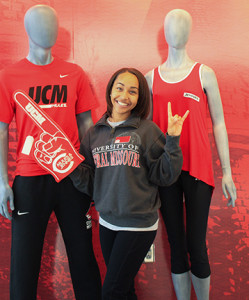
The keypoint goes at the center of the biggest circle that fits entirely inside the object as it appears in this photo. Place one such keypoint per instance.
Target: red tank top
(186, 94)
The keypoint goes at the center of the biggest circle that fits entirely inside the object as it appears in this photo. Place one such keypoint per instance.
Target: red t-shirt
(186, 94)
(60, 88)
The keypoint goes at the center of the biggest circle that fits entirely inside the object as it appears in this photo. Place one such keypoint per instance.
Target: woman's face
(124, 96)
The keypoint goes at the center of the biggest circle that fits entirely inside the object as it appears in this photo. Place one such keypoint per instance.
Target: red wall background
(103, 36)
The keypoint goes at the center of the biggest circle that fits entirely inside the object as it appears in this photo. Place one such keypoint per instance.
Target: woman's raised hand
(175, 122)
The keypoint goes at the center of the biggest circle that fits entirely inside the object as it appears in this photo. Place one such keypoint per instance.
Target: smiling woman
(124, 96)
(126, 158)
(127, 86)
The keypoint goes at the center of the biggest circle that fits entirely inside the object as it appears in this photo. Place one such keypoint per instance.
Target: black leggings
(124, 252)
(35, 198)
(191, 240)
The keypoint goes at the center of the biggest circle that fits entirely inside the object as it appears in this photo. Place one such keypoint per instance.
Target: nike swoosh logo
(62, 76)
(22, 213)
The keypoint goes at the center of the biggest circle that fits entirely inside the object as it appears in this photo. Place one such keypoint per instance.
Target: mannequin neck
(177, 65)
(177, 58)
(38, 55)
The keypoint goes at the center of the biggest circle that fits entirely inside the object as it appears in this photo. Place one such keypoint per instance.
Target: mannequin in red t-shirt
(41, 24)
(175, 69)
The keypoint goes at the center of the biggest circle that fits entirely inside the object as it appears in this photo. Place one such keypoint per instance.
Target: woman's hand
(175, 122)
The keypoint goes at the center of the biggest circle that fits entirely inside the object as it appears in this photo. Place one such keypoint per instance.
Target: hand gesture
(55, 154)
(52, 149)
(48, 147)
(175, 122)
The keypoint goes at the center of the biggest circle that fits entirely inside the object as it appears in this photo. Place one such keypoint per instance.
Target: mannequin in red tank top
(180, 71)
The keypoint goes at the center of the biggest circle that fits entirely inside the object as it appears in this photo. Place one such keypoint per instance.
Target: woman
(127, 159)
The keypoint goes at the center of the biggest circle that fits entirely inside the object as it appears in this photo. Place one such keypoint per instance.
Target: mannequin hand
(6, 194)
(229, 187)
(175, 122)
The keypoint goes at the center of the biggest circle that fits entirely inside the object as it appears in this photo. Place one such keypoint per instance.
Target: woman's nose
(125, 95)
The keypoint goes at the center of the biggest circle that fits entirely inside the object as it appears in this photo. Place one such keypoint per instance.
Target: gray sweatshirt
(124, 166)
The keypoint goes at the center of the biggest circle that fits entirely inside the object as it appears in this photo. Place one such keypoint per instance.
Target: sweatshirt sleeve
(164, 160)
(83, 175)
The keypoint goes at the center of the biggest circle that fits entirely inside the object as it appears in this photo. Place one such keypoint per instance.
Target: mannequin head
(177, 27)
(41, 24)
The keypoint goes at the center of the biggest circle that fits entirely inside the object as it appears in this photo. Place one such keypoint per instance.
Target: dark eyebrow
(132, 87)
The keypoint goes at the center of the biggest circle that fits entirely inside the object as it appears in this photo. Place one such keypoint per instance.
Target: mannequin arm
(149, 79)
(84, 122)
(6, 193)
(211, 88)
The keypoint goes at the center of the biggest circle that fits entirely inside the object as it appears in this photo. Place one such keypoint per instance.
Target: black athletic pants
(192, 239)
(124, 253)
(35, 199)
